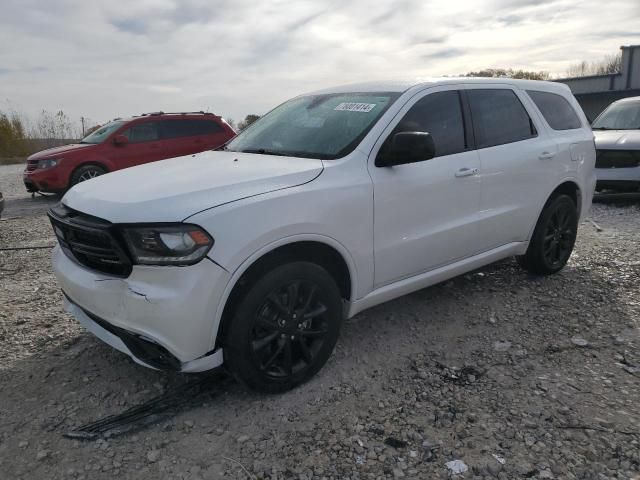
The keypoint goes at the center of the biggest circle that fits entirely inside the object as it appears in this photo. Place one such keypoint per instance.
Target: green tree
(510, 73)
(248, 120)
(13, 141)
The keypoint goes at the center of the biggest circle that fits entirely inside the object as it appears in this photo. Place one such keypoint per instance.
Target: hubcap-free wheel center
(289, 329)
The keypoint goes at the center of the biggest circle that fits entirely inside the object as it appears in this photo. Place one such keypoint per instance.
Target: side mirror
(407, 147)
(120, 140)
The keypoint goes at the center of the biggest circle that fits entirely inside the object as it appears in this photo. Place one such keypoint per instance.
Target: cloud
(131, 25)
(111, 59)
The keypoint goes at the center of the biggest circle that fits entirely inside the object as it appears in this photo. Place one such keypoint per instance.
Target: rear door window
(142, 132)
(499, 117)
(556, 110)
(189, 128)
(439, 114)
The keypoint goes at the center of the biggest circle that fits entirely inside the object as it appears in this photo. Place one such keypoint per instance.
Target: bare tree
(54, 127)
(608, 64)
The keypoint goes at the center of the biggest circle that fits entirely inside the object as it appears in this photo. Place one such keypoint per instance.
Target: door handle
(546, 155)
(467, 172)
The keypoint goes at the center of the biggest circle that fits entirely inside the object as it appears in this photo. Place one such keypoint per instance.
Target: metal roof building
(596, 92)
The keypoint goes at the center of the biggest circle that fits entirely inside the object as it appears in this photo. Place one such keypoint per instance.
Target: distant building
(596, 92)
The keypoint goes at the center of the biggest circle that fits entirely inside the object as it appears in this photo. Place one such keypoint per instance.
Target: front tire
(553, 238)
(284, 328)
(86, 172)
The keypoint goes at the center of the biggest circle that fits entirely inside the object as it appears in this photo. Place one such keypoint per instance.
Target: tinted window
(440, 114)
(556, 110)
(498, 117)
(188, 128)
(142, 132)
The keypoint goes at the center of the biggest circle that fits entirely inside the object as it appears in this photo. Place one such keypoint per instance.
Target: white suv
(617, 132)
(331, 203)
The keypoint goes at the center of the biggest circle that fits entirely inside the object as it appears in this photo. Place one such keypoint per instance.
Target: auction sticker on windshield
(355, 107)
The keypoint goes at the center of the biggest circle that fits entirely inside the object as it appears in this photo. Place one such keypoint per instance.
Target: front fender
(261, 252)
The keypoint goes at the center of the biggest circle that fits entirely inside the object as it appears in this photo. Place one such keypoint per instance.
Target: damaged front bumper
(163, 317)
(143, 351)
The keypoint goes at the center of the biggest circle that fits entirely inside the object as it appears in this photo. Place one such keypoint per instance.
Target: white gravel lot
(516, 376)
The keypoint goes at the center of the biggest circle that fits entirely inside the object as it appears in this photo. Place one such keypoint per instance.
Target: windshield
(619, 116)
(101, 134)
(325, 126)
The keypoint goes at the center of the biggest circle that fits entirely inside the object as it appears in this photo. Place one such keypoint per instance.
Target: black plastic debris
(395, 442)
(153, 411)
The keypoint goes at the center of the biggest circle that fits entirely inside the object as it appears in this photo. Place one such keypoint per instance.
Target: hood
(617, 139)
(172, 190)
(58, 151)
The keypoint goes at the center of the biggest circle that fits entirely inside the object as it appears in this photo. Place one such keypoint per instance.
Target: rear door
(210, 134)
(574, 141)
(516, 157)
(185, 136)
(426, 213)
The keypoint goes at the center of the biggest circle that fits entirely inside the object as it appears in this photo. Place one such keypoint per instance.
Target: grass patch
(12, 160)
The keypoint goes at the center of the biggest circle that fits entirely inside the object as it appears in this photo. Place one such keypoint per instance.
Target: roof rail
(201, 112)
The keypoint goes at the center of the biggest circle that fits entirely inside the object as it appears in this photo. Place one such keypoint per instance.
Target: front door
(426, 213)
(144, 145)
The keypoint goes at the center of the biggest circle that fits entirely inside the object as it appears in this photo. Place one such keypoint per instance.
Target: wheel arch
(322, 250)
(568, 186)
(96, 163)
(571, 188)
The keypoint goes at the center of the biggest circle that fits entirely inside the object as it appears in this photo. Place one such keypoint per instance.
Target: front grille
(90, 241)
(617, 158)
(31, 165)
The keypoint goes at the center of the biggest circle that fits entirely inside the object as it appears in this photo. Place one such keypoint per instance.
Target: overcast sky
(233, 57)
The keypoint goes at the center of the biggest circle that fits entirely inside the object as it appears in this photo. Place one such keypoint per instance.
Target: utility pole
(82, 120)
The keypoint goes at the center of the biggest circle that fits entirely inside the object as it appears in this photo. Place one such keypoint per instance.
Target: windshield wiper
(263, 151)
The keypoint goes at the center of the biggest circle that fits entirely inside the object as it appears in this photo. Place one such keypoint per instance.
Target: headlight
(48, 163)
(179, 244)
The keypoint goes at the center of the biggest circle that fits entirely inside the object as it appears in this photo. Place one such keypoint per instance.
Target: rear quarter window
(556, 110)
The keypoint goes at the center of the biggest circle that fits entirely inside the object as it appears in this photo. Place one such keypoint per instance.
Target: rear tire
(284, 328)
(86, 172)
(553, 238)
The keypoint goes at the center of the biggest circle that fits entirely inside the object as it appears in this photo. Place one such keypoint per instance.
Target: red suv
(125, 143)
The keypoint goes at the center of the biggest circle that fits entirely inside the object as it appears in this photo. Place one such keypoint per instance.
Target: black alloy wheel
(553, 238)
(559, 235)
(289, 330)
(285, 327)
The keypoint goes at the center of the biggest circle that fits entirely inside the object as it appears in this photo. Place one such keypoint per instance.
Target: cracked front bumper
(173, 307)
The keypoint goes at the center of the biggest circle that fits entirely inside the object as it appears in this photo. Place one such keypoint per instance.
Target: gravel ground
(18, 202)
(513, 375)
